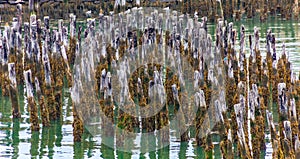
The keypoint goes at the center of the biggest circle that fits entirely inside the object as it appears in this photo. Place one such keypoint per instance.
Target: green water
(17, 140)
(287, 31)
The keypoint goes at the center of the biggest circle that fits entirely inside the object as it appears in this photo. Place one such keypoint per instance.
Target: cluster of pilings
(213, 9)
(255, 89)
(36, 56)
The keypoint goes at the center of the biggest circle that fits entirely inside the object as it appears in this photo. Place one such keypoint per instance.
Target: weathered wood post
(77, 125)
(297, 147)
(257, 121)
(19, 40)
(42, 103)
(1, 58)
(293, 119)
(296, 8)
(34, 52)
(231, 85)
(275, 79)
(5, 60)
(72, 44)
(48, 90)
(57, 61)
(31, 6)
(277, 151)
(284, 124)
(258, 57)
(252, 63)
(77, 121)
(59, 72)
(242, 145)
(13, 91)
(32, 106)
(242, 56)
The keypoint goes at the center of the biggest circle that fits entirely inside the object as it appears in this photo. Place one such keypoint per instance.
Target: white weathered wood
(46, 22)
(269, 37)
(254, 100)
(256, 38)
(46, 63)
(287, 130)
(200, 99)
(103, 77)
(1, 48)
(65, 35)
(72, 25)
(35, 49)
(12, 75)
(240, 122)
(293, 111)
(175, 92)
(31, 5)
(28, 83)
(108, 87)
(242, 55)
(297, 145)
(60, 26)
(5, 45)
(218, 111)
(282, 98)
(283, 50)
(117, 3)
(37, 85)
(33, 25)
(230, 69)
(270, 120)
(13, 36)
(27, 41)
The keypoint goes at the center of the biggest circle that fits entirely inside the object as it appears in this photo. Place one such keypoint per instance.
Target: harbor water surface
(17, 140)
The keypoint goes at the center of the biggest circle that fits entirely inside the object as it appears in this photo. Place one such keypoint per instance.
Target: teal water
(285, 31)
(17, 140)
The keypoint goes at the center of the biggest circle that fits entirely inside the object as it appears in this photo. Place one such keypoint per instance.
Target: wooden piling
(73, 41)
(47, 87)
(32, 106)
(77, 125)
(296, 9)
(265, 75)
(42, 103)
(77, 118)
(13, 91)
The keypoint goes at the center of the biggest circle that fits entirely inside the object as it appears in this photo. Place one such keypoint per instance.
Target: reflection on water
(17, 141)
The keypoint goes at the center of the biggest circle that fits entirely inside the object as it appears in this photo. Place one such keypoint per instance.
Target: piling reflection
(78, 150)
(34, 144)
(15, 137)
(44, 141)
(52, 138)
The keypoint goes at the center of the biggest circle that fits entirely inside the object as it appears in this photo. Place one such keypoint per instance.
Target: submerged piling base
(34, 120)
(77, 125)
(13, 93)
(51, 103)
(44, 112)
